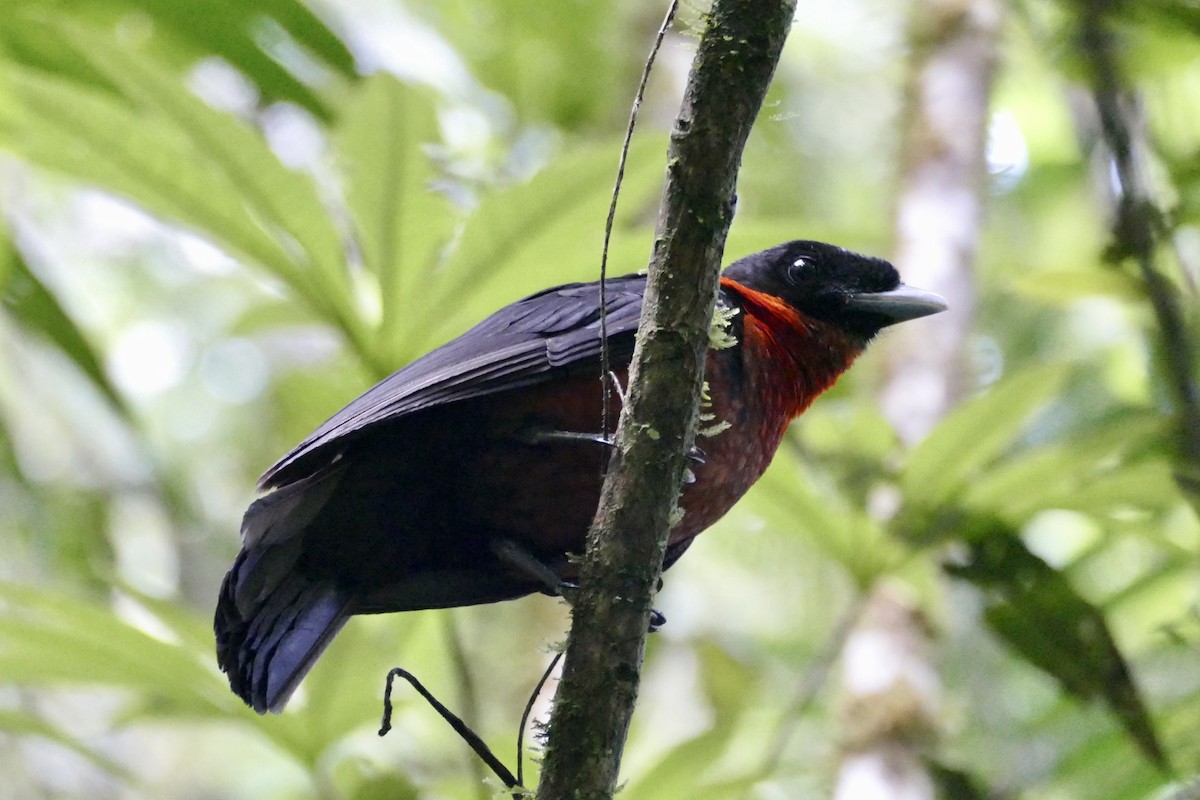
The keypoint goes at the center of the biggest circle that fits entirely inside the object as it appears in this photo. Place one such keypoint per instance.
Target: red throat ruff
(803, 355)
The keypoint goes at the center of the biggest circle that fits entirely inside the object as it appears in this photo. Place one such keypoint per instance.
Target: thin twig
(461, 728)
(606, 376)
(533, 696)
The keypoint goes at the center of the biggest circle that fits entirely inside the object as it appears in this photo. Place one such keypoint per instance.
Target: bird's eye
(799, 268)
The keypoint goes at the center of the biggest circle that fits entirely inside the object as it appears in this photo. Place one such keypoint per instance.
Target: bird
(471, 475)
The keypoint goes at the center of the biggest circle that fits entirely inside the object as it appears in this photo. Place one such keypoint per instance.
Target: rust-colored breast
(783, 362)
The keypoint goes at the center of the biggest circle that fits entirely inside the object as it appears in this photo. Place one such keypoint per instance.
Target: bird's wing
(520, 345)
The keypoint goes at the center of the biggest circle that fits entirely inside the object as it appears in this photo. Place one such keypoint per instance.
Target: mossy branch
(735, 61)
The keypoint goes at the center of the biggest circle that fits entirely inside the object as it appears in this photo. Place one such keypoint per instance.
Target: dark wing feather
(520, 345)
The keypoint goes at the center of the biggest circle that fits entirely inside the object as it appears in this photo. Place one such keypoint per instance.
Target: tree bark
(891, 702)
(891, 685)
(939, 207)
(736, 59)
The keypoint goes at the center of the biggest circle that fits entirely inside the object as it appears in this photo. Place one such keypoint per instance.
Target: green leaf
(193, 631)
(789, 497)
(1103, 759)
(283, 200)
(1146, 486)
(401, 225)
(563, 63)
(28, 302)
(1067, 286)
(1090, 463)
(975, 434)
(24, 723)
(1034, 608)
(545, 231)
(187, 163)
(361, 779)
(249, 36)
(724, 761)
(49, 638)
(93, 138)
(679, 773)
(955, 784)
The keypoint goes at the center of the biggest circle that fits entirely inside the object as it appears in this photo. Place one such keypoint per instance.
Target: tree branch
(732, 69)
(1138, 226)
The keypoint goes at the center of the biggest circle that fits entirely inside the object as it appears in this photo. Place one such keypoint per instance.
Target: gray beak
(900, 304)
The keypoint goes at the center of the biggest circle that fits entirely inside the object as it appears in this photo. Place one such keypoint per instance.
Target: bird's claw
(567, 590)
(516, 556)
(551, 437)
(694, 454)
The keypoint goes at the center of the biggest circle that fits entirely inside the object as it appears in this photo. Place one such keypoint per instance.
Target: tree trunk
(939, 207)
(892, 688)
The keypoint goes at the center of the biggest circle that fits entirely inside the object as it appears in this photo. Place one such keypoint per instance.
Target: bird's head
(859, 294)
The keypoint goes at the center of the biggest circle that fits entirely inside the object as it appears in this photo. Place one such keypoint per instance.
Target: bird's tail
(271, 625)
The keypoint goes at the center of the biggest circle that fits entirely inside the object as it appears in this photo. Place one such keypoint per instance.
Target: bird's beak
(899, 304)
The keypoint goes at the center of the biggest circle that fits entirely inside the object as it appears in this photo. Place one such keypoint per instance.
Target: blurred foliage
(223, 220)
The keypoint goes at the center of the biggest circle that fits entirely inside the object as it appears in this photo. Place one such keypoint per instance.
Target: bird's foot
(567, 591)
(552, 437)
(695, 455)
(516, 556)
(525, 562)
